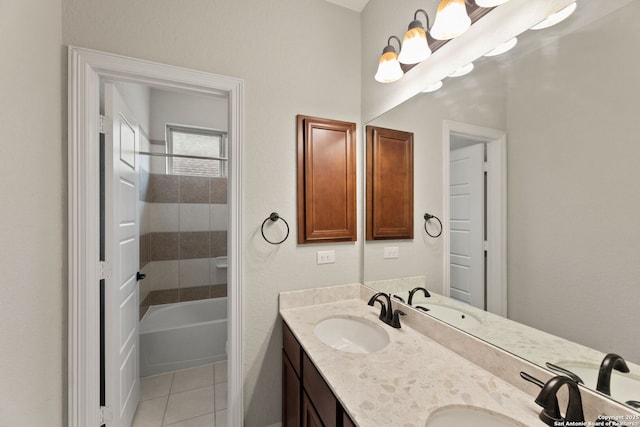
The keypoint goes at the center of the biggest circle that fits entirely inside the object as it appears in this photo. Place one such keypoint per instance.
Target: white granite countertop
(404, 383)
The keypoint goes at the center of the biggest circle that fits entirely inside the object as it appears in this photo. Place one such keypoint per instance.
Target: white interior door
(122, 378)
(467, 274)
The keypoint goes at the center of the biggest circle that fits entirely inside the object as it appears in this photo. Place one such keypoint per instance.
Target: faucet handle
(399, 298)
(561, 370)
(395, 322)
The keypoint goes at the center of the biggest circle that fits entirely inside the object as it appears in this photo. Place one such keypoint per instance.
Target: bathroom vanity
(428, 371)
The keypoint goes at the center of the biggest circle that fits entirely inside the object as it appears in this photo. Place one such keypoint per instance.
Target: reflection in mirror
(567, 100)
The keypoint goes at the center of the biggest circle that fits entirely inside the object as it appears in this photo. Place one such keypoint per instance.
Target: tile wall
(183, 237)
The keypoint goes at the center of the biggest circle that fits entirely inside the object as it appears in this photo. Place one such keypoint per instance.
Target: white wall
(33, 216)
(296, 57)
(186, 109)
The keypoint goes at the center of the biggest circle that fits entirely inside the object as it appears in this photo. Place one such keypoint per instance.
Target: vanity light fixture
(490, 3)
(504, 47)
(556, 18)
(388, 67)
(451, 20)
(433, 87)
(415, 47)
(462, 70)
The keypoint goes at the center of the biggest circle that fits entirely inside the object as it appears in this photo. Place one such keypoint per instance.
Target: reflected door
(122, 376)
(467, 225)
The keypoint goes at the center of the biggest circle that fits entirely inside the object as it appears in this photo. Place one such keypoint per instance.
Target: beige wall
(296, 57)
(32, 217)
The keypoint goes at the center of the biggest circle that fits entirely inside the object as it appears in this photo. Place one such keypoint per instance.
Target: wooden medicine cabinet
(389, 184)
(326, 180)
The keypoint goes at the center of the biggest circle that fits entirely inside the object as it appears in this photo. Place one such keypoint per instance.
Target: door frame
(86, 69)
(496, 217)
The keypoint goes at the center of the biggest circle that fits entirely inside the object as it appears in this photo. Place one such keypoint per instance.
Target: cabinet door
(326, 180)
(319, 393)
(389, 184)
(309, 416)
(290, 394)
(346, 421)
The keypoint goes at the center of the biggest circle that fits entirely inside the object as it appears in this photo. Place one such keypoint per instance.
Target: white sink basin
(452, 316)
(624, 387)
(469, 416)
(351, 334)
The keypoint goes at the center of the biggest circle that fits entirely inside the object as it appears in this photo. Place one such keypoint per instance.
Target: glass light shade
(556, 18)
(490, 3)
(389, 68)
(504, 47)
(414, 47)
(463, 70)
(451, 20)
(433, 87)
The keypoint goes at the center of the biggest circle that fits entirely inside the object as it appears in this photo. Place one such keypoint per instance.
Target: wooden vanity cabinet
(307, 400)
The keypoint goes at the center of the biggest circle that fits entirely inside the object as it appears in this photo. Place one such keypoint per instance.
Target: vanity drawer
(319, 393)
(291, 348)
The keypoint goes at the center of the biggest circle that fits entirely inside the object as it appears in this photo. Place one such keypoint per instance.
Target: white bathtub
(183, 335)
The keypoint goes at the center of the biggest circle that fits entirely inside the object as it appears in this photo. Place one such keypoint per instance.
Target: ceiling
(356, 5)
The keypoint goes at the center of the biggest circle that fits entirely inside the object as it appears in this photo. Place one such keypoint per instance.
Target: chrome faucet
(548, 401)
(387, 314)
(414, 290)
(610, 362)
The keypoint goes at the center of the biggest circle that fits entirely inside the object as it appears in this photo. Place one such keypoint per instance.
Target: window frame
(197, 130)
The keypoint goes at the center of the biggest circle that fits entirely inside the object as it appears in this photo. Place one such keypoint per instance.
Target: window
(196, 151)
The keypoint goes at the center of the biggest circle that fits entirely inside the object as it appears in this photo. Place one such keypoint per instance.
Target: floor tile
(220, 369)
(155, 386)
(220, 396)
(150, 412)
(221, 418)
(189, 379)
(203, 421)
(189, 404)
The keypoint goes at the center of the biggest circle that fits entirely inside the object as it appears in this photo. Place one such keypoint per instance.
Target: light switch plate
(391, 252)
(326, 257)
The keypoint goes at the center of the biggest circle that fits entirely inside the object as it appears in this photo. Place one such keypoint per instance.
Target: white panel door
(122, 377)
(467, 225)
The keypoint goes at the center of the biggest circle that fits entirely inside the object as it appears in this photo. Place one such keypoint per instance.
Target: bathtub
(183, 335)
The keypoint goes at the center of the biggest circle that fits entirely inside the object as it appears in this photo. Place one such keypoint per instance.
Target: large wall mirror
(566, 101)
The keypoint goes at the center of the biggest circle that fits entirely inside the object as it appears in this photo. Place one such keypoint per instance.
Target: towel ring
(273, 218)
(427, 217)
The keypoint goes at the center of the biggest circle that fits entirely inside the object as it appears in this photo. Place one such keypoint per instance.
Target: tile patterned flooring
(195, 397)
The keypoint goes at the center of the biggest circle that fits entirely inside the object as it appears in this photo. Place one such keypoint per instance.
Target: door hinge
(485, 246)
(485, 167)
(106, 414)
(105, 270)
(104, 123)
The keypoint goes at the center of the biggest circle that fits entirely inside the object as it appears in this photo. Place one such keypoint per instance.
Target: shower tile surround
(183, 232)
(369, 404)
